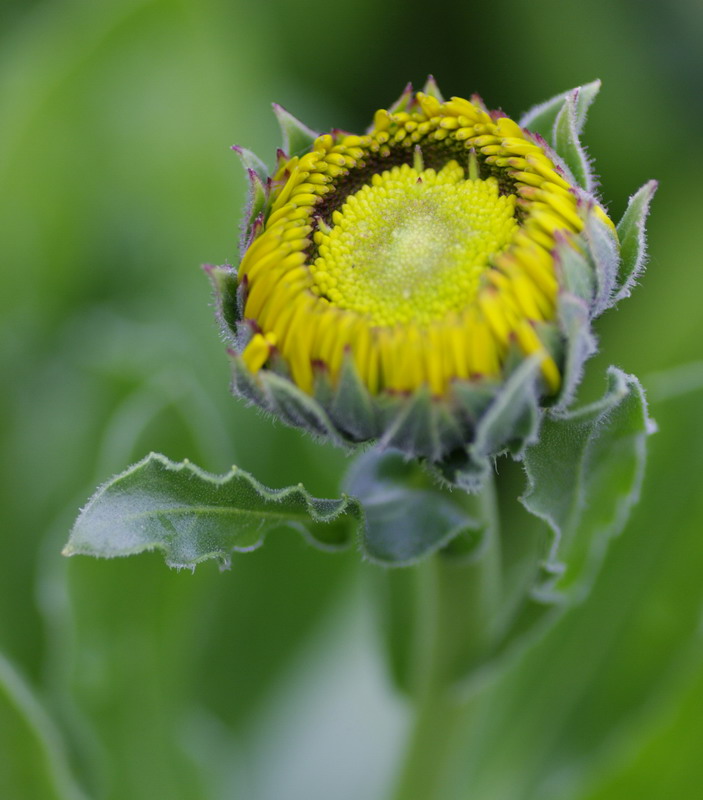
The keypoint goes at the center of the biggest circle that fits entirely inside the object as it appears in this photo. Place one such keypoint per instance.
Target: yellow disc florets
(410, 246)
(421, 252)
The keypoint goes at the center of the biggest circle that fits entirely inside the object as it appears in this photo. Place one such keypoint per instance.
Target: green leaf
(408, 515)
(297, 137)
(633, 241)
(251, 162)
(191, 515)
(566, 142)
(584, 476)
(541, 118)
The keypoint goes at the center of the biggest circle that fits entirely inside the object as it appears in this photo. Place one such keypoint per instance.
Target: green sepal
(226, 291)
(541, 118)
(512, 420)
(191, 515)
(451, 428)
(297, 408)
(350, 404)
(633, 240)
(250, 161)
(346, 413)
(405, 100)
(257, 196)
(247, 385)
(509, 423)
(565, 140)
(297, 136)
(577, 280)
(604, 251)
(580, 344)
(408, 515)
(584, 475)
(410, 425)
(576, 273)
(472, 398)
(256, 209)
(432, 89)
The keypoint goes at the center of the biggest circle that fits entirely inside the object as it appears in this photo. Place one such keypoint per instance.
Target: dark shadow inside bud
(434, 155)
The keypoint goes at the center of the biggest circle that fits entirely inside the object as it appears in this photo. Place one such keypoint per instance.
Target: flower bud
(428, 284)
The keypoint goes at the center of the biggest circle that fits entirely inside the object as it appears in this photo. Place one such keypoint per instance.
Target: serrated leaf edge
(338, 507)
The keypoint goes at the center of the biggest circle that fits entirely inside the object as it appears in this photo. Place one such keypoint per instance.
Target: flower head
(405, 284)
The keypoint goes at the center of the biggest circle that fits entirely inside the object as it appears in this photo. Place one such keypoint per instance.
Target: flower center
(412, 245)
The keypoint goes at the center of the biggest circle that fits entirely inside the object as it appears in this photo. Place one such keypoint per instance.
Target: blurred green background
(126, 680)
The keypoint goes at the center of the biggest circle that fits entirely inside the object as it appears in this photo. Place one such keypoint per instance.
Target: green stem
(437, 717)
(455, 614)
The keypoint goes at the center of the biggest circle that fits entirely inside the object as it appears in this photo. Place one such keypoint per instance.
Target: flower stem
(454, 623)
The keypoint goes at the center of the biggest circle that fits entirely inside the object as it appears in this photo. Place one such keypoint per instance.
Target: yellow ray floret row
(519, 289)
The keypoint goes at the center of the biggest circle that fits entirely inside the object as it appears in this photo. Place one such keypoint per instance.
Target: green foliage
(192, 516)
(585, 473)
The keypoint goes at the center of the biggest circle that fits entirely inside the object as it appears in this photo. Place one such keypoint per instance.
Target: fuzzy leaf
(250, 161)
(584, 476)
(541, 118)
(408, 515)
(297, 137)
(191, 515)
(565, 139)
(605, 253)
(633, 243)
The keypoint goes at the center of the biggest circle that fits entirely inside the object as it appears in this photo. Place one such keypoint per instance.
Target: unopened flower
(406, 284)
